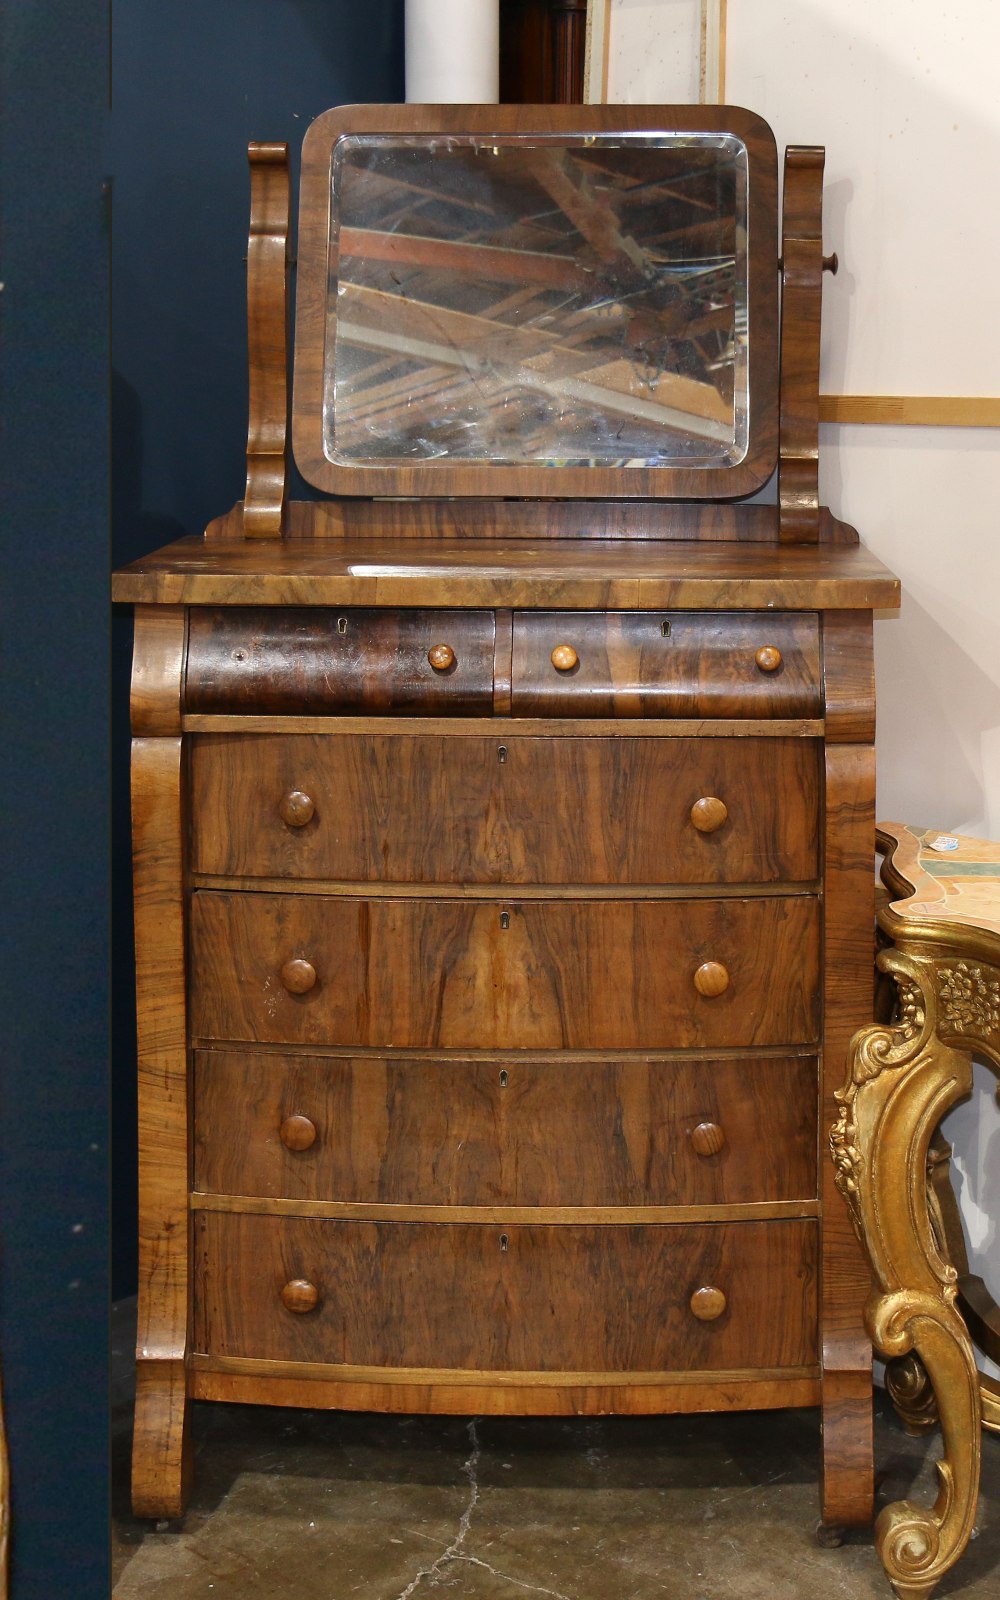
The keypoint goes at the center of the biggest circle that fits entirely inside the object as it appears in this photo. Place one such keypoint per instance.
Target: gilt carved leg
(902, 1080)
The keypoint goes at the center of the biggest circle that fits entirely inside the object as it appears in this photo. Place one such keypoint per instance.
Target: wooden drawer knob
(298, 976)
(296, 808)
(768, 658)
(441, 657)
(711, 979)
(298, 1132)
(707, 1303)
(709, 813)
(300, 1295)
(564, 658)
(707, 1139)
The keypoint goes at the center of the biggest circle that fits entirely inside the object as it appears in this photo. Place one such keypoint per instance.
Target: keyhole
(501, 753)
(504, 1241)
(664, 627)
(341, 624)
(504, 1080)
(505, 919)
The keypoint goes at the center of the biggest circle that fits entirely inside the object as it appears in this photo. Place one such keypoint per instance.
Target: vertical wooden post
(801, 294)
(848, 932)
(267, 330)
(160, 1452)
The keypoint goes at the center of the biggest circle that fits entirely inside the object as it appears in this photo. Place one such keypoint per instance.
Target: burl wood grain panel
(542, 974)
(447, 1132)
(665, 664)
(288, 661)
(424, 809)
(521, 1298)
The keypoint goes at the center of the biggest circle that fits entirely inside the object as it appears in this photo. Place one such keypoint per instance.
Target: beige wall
(903, 94)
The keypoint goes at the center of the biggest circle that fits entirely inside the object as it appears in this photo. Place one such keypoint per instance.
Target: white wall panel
(654, 52)
(903, 94)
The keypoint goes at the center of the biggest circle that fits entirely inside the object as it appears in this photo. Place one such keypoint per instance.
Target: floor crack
(471, 1469)
(454, 1551)
(519, 1583)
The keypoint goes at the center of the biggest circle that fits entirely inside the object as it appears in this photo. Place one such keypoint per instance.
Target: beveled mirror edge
(481, 481)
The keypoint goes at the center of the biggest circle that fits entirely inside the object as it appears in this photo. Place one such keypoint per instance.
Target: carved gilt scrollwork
(902, 1079)
(969, 999)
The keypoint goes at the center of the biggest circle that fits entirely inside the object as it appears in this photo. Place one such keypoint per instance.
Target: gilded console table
(940, 917)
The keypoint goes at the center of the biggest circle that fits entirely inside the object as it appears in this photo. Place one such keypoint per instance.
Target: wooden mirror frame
(462, 478)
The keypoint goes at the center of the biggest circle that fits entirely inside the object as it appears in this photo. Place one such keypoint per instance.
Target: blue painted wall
(166, 165)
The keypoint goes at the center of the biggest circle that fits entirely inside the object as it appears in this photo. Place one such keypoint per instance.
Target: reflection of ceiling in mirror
(552, 302)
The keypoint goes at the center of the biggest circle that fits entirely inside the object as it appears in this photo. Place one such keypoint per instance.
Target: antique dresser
(504, 819)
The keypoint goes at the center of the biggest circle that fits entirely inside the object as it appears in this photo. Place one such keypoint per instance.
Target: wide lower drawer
(528, 1133)
(676, 664)
(418, 808)
(458, 974)
(285, 660)
(545, 1298)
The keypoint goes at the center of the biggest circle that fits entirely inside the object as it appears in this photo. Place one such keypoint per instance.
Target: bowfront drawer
(526, 1133)
(537, 1298)
(286, 661)
(416, 808)
(665, 664)
(559, 974)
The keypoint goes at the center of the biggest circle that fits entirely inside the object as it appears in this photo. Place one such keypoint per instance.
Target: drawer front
(457, 974)
(287, 661)
(665, 664)
(536, 1298)
(526, 1133)
(414, 808)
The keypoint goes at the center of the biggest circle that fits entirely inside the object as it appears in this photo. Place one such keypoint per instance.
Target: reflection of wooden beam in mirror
(470, 260)
(590, 213)
(680, 404)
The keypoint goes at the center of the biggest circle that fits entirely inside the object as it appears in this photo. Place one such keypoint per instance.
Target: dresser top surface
(573, 573)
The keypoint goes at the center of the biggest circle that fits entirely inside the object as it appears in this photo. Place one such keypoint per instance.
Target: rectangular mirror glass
(554, 300)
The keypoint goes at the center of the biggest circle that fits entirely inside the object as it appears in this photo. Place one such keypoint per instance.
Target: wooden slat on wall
(931, 411)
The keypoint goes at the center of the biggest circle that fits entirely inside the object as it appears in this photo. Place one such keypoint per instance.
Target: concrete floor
(335, 1506)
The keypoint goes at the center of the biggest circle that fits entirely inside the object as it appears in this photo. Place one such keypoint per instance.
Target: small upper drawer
(289, 661)
(665, 664)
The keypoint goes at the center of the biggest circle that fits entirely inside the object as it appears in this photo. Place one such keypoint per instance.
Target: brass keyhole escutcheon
(504, 1079)
(341, 624)
(501, 753)
(504, 1242)
(505, 919)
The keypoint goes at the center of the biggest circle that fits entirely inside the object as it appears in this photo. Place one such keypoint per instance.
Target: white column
(453, 51)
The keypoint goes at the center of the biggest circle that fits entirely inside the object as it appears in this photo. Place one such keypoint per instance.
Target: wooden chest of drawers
(487, 1005)
(503, 865)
